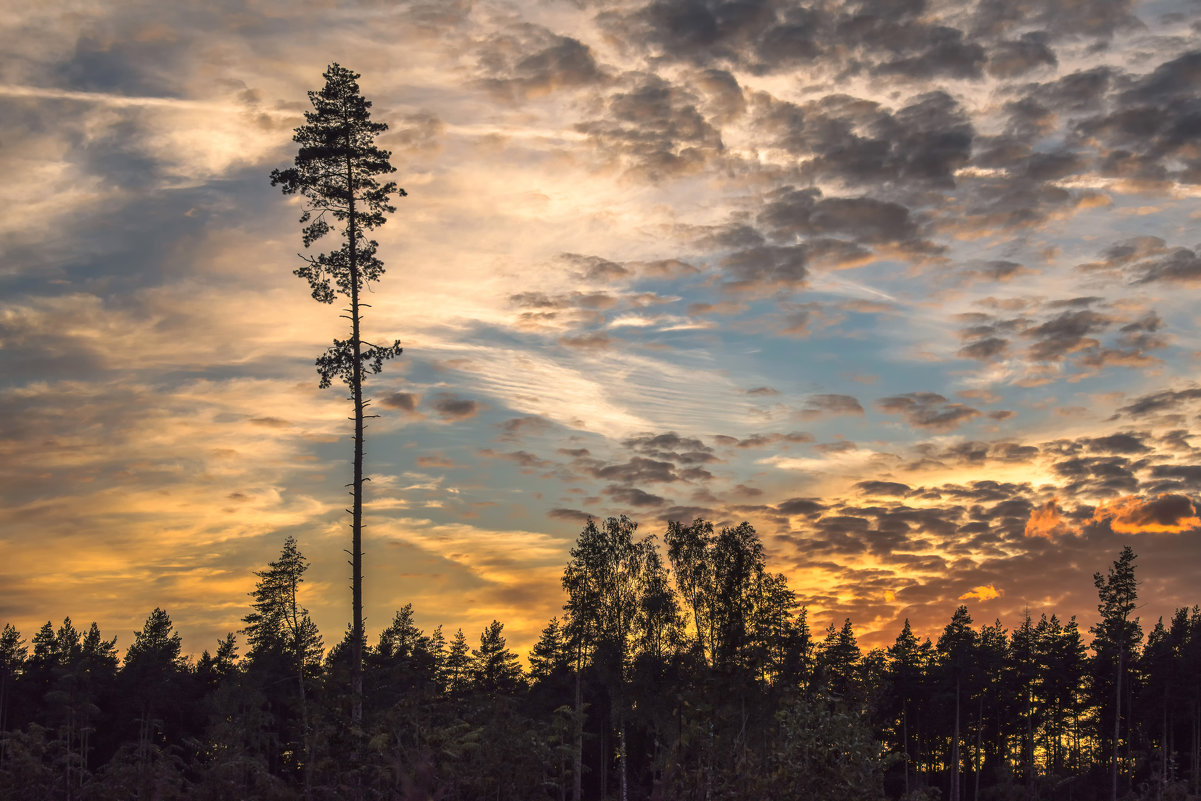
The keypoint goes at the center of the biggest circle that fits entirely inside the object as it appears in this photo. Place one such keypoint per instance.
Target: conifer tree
(336, 172)
(1115, 638)
(12, 658)
(549, 654)
(494, 666)
(458, 663)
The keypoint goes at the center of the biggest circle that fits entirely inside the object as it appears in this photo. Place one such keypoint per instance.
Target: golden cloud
(1047, 522)
(1166, 513)
(985, 592)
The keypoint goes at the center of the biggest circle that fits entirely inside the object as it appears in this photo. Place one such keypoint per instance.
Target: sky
(910, 285)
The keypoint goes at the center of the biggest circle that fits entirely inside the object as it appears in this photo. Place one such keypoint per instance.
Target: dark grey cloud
(861, 143)
(403, 401)
(590, 341)
(524, 459)
(527, 61)
(1151, 127)
(569, 300)
(723, 96)
(819, 405)
(1107, 476)
(1067, 330)
(654, 129)
(1066, 333)
(452, 407)
(416, 135)
(928, 410)
(700, 31)
(1058, 18)
(594, 268)
(1009, 59)
(883, 488)
(801, 507)
(1181, 265)
(517, 428)
(790, 213)
(1179, 476)
(765, 268)
(1167, 400)
(767, 440)
(633, 496)
(639, 469)
(985, 349)
(147, 66)
(672, 447)
(570, 515)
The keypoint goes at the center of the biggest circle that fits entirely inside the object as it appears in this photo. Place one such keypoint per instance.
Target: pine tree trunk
(621, 747)
(578, 768)
(979, 746)
(955, 749)
(356, 524)
(1117, 718)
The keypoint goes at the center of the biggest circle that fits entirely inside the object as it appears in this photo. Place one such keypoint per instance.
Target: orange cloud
(1164, 514)
(984, 592)
(1046, 522)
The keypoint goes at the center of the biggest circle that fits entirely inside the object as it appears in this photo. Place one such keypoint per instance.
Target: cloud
(985, 592)
(633, 496)
(892, 488)
(1164, 514)
(820, 405)
(452, 408)
(1009, 59)
(1047, 522)
(654, 130)
(401, 401)
(527, 61)
(1161, 401)
(570, 515)
(517, 428)
(801, 506)
(928, 410)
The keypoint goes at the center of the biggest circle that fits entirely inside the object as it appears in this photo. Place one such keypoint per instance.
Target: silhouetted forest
(680, 669)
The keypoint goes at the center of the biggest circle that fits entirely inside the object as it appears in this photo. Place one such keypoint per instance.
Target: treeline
(679, 670)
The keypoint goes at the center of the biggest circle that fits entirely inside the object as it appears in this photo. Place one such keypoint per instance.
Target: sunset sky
(910, 285)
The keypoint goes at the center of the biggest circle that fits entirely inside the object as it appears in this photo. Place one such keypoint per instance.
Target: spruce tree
(336, 172)
(1115, 638)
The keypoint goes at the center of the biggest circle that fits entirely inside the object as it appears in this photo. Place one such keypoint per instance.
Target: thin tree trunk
(3, 714)
(979, 745)
(955, 749)
(1117, 718)
(621, 748)
(578, 767)
(356, 525)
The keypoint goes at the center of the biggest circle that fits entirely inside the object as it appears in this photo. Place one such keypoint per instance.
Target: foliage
(984, 713)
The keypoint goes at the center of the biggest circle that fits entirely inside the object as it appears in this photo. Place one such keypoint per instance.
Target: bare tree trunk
(955, 749)
(356, 524)
(578, 767)
(1117, 719)
(979, 746)
(621, 754)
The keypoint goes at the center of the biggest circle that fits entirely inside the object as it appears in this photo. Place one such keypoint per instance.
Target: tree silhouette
(1115, 637)
(335, 172)
(281, 634)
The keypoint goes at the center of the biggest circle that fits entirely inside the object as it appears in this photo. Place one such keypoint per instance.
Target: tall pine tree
(336, 170)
